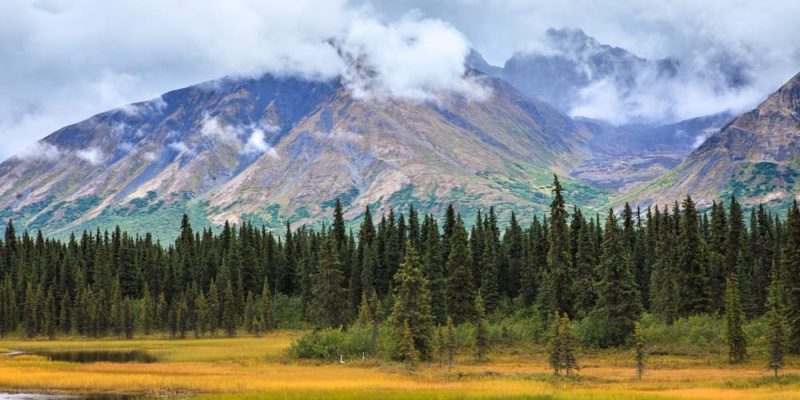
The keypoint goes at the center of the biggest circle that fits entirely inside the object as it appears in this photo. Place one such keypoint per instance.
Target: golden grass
(245, 368)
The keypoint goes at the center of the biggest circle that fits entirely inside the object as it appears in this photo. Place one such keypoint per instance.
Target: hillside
(755, 157)
(277, 149)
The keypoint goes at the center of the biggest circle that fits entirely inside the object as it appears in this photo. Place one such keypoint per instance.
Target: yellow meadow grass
(254, 368)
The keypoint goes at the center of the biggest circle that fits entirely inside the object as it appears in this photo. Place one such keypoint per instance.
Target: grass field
(254, 368)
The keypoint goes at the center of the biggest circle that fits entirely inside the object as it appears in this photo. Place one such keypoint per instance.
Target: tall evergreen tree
(790, 268)
(558, 254)
(267, 310)
(408, 350)
(49, 315)
(460, 289)
(481, 330)
(228, 317)
(490, 288)
(412, 303)
(737, 345)
(450, 343)
(584, 283)
(330, 297)
(694, 286)
(776, 325)
(618, 303)
(639, 350)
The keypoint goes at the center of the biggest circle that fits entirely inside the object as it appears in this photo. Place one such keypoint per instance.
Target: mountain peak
(280, 149)
(754, 157)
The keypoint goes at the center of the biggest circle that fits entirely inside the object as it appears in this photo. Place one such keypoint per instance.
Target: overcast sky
(61, 62)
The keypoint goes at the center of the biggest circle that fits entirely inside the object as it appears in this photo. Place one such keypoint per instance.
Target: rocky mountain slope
(621, 157)
(583, 77)
(756, 157)
(276, 149)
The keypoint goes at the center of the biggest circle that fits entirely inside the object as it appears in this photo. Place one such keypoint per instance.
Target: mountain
(621, 157)
(572, 61)
(581, 76)
(278, 149)
(755, 157)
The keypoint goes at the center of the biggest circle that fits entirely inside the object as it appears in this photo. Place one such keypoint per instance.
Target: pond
(39, 396)
(90, 356)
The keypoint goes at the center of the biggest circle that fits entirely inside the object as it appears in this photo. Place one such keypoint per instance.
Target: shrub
(326, 344)
(289, 312)
(694, 335)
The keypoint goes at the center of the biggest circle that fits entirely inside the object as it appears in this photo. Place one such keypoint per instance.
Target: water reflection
(90, 356)
(39, 396)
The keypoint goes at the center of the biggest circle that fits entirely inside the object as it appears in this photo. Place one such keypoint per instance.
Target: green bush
(695, 335)
(326, 344)
(329, 344)
(592, 331)
(289, 312)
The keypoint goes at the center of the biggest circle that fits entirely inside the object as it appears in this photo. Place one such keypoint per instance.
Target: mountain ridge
(755, 157)
(277, 150)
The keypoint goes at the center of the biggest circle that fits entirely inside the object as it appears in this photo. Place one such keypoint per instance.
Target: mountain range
(280, 149)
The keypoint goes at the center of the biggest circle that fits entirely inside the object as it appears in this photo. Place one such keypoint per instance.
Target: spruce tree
(250, 313)
(412, 303)
(568, 346)
(228, 321)
(558, 254)
(554, 345)
(182, 316)
(148, 311)
(737, 345)
(267, 311)
(776, 322)
(585, 281)
(639, 350)
(460, 289)
(162, 309)
(408, 350)
(695, 296)
(664, 290)
(450, 343)
(116, 315)
(50, 318)
(30, 312)
(364, 312)
(790, 267)
(65, 314)
(330, 302)
(214, 309)
(201, 315)
(490, 289)
(432, 264)
(481, 330)
(129, 318)
(618, 304)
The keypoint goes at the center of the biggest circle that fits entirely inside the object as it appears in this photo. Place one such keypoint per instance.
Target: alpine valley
(281, 149)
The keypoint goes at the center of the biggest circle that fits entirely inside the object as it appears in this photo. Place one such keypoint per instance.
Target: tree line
(672, 261)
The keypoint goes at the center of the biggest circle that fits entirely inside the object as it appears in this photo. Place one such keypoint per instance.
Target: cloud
(156, 105)
(125, 147)
(41, 151)
(410, 59)
(212, 127)
(256, 144)
(180, 147)
(249, 139)
(339, 135)
(706, 36)
(149, 156)
(64, 62)
(92, 155)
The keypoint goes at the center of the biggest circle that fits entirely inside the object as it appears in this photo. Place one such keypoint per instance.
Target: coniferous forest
(413, 273)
